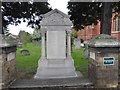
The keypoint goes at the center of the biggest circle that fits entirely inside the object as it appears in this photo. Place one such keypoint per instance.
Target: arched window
(117, 23)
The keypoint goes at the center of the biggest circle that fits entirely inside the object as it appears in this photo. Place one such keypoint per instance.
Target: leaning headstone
(77, 43)
(19, 44)
(54, 63)
(7, 61)
(86, 50)
(25, 52)
(36, 42)
(86, 53)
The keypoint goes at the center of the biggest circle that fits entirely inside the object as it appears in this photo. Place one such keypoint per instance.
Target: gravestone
(35, 42)
(77, 43)
(25, 52)
(19, 44)
(86, 50)
(56, 60)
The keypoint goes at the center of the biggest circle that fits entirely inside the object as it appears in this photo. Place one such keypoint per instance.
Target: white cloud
(23, 26)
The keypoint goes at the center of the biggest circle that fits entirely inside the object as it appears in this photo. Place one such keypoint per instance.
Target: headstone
(86, 53)
(56, 60)
(86, 50)
(25, 52)
(77, 43)
(36, 42)
(19, 44)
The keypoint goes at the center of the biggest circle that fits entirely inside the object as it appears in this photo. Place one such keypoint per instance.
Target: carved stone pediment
(56, 18)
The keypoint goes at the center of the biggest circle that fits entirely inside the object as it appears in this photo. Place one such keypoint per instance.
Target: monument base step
(63, 68)
(47, 73)
(78, 83)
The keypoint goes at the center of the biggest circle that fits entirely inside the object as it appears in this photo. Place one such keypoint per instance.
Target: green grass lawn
(28, 64)
(80, 63)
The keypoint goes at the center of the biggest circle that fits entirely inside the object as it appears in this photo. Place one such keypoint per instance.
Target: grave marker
(54, 63)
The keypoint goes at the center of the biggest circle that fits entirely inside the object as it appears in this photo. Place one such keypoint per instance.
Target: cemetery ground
(27, 65)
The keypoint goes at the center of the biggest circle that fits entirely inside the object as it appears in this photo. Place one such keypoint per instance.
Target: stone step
(78, 83)
(59, 72)
(56, 63)
(55, 68)
(66, 88)
(59, 66)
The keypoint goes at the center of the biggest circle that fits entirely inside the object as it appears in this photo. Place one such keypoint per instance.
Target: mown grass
(80, 62)
(29, 63)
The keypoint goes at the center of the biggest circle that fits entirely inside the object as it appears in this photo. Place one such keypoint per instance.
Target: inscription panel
(56, 45)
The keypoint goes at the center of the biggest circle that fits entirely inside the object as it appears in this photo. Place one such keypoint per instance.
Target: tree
(86, 13)
(25, 37)
(13, 12)
(36, 34)
(106, 17)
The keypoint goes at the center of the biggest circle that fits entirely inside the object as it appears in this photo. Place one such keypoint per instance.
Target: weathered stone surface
(101, 74)
(10, 56)
(54, 63)
(8, 69)
(50, 84)
(7, 60)
(7, 41)
(57, 18)
(103, 40)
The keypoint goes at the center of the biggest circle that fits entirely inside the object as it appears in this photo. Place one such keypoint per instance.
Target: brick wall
(88, 32)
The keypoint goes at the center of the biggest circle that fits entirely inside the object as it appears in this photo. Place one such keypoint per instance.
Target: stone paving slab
(64, 82)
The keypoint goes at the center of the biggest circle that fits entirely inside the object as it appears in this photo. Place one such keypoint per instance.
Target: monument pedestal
(55, 69)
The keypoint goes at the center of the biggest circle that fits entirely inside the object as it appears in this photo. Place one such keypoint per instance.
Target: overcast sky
(59, 4)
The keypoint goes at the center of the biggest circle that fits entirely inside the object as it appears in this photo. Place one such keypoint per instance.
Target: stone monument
(103, 61)
(77, 43)
(8, 47)
(56, 60)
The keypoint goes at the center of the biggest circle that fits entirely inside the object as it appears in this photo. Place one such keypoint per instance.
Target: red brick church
(93, 30)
